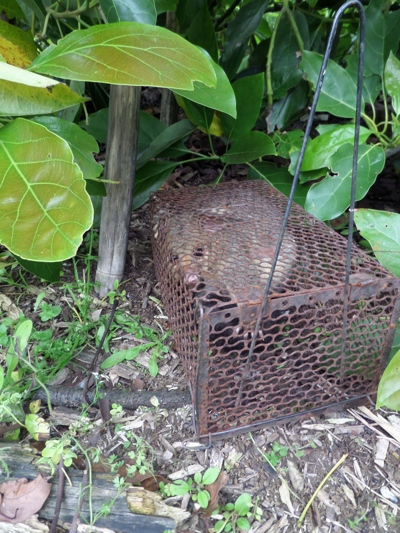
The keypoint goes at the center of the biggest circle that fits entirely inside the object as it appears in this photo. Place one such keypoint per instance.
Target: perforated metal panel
(213, 247)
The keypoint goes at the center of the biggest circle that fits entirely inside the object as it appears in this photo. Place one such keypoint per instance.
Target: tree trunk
(120, 166)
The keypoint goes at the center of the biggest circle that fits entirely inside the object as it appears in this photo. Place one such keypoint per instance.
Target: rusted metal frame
(317, 411)
(318, 88)
(200, 398)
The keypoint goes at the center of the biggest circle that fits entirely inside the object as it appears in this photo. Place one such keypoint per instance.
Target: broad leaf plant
(242, 71)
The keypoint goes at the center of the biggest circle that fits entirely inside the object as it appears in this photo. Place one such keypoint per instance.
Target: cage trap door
(298, 366)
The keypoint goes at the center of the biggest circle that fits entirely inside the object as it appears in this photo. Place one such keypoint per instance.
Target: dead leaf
(22, 499)
(296, 477)
(350, 494)
(214, 489)
(285, 496)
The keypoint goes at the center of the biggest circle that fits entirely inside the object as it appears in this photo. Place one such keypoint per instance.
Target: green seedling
(276, 454)
(356, 522)
(195, 486)
(238, 515)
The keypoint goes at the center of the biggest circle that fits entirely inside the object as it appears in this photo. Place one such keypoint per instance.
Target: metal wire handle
(318, 88)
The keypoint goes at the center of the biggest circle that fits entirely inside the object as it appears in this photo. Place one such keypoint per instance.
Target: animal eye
(175, 257)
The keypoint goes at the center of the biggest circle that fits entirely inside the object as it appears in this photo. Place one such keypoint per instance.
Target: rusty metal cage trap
(274, 317)
(212, 253)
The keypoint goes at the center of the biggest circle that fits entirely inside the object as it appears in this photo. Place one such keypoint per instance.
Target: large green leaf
(382, 231)
(372, 85)
(331, 197)
(220, 98)
(26, 93)
(392, 81)
(43, 270)
(129, 10)
(381, 36)
(279, 178)
(23, 39)
(248, 92)
(248, 147)
(82, 144)
(44, 207)
(389, 385)
(127, 53)
(338, 94)
(326, 144)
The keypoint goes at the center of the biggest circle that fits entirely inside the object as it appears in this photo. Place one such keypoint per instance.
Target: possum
(224, 256)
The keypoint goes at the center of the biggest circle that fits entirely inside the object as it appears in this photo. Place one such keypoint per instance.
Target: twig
(98, 351)
(60, 492)
(328, 475)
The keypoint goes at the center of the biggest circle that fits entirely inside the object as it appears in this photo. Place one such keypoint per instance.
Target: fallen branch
(72, 397)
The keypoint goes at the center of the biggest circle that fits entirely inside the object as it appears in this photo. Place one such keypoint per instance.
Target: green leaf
(26, 93)
(23, 39)
(243, 504)
(389, 385)
(211, 475)
(338, 94)
(179, 488)
(153, 366)
(288, 142)
(325, 145)
(44, 207)
(165, 139)
(221, 98)
(81, 143)
(290, 106)
(331, 197)
(243, 26)
(392, 81)
(381, 36)
(48, 271)
(201, 32)
(165, 5)
(243, 524)
(203, 498)
(36, 6)
(372, 85)
(285, 57)
(248, 93)
(149, 179)
(382, 231)
(12, 11)
(125, 355)
(248, 147)
(22, 334)
(127, 53)
(97, 125)
(129, 10)
(199, 115)
(279, 178)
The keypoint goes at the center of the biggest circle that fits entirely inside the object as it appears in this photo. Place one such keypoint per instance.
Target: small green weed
(194, 486)
(238, 515)
(356, 522)
(276, 454)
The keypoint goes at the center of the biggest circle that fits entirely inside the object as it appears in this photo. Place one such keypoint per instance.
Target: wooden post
(116, 209)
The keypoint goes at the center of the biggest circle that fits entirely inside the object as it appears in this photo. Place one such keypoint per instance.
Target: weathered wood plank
(21, 464)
